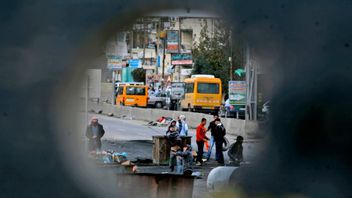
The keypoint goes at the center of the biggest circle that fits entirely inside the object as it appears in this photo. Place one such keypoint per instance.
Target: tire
(227, 144)
(158, 105)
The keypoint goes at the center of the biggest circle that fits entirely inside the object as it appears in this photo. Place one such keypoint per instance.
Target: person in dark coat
(219, 135)
(94, 133)
(211, 128)
(235, 152)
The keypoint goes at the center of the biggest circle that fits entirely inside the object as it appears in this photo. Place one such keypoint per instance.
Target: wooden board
(161, 149)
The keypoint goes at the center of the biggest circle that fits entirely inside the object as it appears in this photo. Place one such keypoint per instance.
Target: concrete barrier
(106, 92)
(233, 126)
(219, 179)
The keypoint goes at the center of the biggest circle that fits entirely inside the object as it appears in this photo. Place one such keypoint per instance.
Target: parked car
(177, 91)
(158, 101)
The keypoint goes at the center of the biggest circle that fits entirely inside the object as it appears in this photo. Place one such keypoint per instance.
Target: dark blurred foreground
(305, 45)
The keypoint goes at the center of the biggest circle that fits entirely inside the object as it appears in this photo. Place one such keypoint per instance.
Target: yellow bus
(203, 93)
(132, 95)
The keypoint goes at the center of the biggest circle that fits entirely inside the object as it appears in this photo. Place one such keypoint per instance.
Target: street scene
(175, 99)
(176, 96)
(138, 146)
(168, 58)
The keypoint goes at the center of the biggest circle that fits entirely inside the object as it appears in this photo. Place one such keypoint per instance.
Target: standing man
(182, 125)
(179, 124)
(211, 127)
(94, 133)
(220, 132)
(200, 139)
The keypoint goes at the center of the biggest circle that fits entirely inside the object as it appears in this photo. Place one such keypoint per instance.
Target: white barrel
(219, 178)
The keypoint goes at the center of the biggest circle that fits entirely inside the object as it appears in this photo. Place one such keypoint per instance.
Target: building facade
(144, 46)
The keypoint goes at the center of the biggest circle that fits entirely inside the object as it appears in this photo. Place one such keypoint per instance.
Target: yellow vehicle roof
(135, 85)
(203, 79)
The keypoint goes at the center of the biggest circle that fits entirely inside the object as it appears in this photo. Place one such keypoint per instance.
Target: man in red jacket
(200, 139)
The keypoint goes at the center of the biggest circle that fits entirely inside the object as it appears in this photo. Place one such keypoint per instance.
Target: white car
(158, 101)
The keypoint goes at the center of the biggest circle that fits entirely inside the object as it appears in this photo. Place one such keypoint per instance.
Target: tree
(211, 54)
(138, 75)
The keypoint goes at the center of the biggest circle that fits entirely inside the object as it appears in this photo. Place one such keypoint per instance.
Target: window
(140, 91)
(189, 87)
(135, 91)
(130, 90)
(177, 85)
(208, 88)
(120, 91)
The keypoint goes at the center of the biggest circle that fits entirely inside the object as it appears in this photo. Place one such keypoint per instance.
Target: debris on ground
(108, 157)
(161, 122)
(110, 114)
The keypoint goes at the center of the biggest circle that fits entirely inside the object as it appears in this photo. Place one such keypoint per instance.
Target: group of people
(217, 138)
(181, 156)
(180, 125)
(218, 133)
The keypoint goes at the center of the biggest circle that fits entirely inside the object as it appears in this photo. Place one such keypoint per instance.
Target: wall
(195, 24)
(233, 126)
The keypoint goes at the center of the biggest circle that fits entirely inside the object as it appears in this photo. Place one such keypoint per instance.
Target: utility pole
(164, 46)
(251, 82)
(179, 47)
(86, 98)
(231, 55)
(255, 71)
(131, 39)
(144, 40)
(231, 71)
(113, 79)
(248, 102)
(163, 37)
(157, 46)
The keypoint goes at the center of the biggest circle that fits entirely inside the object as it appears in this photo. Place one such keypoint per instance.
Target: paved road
(120, 129)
